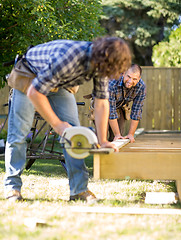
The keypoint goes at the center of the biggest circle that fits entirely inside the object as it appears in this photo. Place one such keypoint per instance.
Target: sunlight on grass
(46, 193)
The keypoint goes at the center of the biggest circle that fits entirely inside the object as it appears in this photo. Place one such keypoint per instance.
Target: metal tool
(78, 141)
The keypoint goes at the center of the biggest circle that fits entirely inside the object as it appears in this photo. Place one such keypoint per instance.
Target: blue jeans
(19, 124)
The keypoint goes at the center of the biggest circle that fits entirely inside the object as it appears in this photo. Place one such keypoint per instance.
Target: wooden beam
(155, 148)
(178, 184)
(162, 131)
(149, 158)
(120, 143)
(140, 165)
(97, 166)
(125, 210)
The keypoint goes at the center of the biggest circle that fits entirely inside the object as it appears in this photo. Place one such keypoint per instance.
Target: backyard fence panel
(176, 79)
(162, 106)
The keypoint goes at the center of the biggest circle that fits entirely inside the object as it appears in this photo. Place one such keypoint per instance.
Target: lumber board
(156, 99)
(178, 184)
(148, 103)
(161, 131)
(152, 156)
(125, 210)
(147, 165)
(120, 143)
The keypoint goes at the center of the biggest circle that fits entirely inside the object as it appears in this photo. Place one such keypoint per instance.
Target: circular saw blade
(80, 146)
(82, 140)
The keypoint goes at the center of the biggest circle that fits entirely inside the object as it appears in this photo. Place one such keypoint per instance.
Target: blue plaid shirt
(64, 63)
(137, 94)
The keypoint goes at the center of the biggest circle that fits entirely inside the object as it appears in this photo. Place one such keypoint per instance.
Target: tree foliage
(142, 23)
(30, 22)
(168, 53)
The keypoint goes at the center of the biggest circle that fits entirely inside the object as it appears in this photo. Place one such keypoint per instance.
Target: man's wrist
(131, 133)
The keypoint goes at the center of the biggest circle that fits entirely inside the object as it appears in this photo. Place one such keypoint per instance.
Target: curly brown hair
(110, 56)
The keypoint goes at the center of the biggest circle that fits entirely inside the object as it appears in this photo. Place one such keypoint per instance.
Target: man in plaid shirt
(62, 64)
(129, 89)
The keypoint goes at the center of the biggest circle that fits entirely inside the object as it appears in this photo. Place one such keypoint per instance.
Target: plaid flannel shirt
(64, 63)
(136, 94)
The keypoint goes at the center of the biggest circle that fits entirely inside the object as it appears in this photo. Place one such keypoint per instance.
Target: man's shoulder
(113, 83)
(61, 44)
(141, 83)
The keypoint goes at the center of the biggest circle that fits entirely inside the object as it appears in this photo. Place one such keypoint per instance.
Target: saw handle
(81, 103)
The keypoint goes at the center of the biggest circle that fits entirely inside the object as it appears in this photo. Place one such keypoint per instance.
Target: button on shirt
(64, 63)
(137, 94)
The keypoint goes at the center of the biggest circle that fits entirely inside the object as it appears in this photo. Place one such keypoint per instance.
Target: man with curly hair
(62, 64)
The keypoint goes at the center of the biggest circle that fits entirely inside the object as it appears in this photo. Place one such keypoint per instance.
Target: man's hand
(118, 137)
(60, 128)
(131, 137)
(110, 145)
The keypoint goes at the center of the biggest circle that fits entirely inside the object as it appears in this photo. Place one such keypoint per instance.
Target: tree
(30, 22)
(142, 23)
(168, 53)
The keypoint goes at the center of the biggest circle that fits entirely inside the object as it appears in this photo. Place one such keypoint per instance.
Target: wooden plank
(141, 165)
(155, 142)
(138, 132)
(162, 131)
(97, 152)
(178, 82)
(4, 93)
(124, 210)
(156, 102)
(162, 107)
(176, 95)
(152, 156)
(179, 99)
(120, 143)
(96, 166)
(169, 90)
(161, 197)
(163, 101)
(142, 122)
(178, 184)
(152, 148)
(149, 99)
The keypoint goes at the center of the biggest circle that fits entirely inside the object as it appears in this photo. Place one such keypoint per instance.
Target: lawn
(46, 213)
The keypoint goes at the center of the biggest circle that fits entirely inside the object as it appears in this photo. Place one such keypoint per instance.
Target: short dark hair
(111, 56)
(136, 68)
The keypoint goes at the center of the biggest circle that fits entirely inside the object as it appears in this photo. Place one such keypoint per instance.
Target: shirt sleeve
(112, 100)
(137, 107)
(100, 89)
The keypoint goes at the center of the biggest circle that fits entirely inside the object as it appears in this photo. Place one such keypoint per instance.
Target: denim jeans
(20, 121)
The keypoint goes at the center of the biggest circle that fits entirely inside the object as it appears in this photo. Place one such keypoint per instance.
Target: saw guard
(82, 141)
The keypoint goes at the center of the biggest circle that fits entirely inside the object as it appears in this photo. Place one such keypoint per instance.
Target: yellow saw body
(82, 141)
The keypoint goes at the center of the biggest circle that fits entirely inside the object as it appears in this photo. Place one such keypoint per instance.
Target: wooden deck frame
(159, 162)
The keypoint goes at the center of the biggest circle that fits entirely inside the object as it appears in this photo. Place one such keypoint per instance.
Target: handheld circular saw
(78, 141)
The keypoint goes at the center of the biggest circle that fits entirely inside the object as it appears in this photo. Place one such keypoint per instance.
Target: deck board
(153, 156)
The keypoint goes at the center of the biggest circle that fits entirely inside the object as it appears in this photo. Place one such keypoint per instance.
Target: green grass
(46, 193)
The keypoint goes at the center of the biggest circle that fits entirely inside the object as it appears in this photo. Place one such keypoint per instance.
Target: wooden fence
(162, 107)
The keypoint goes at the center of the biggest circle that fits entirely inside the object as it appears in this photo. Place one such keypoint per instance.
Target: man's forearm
(101, 107)
(114, 126)
(44, 108)
(133, 127)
